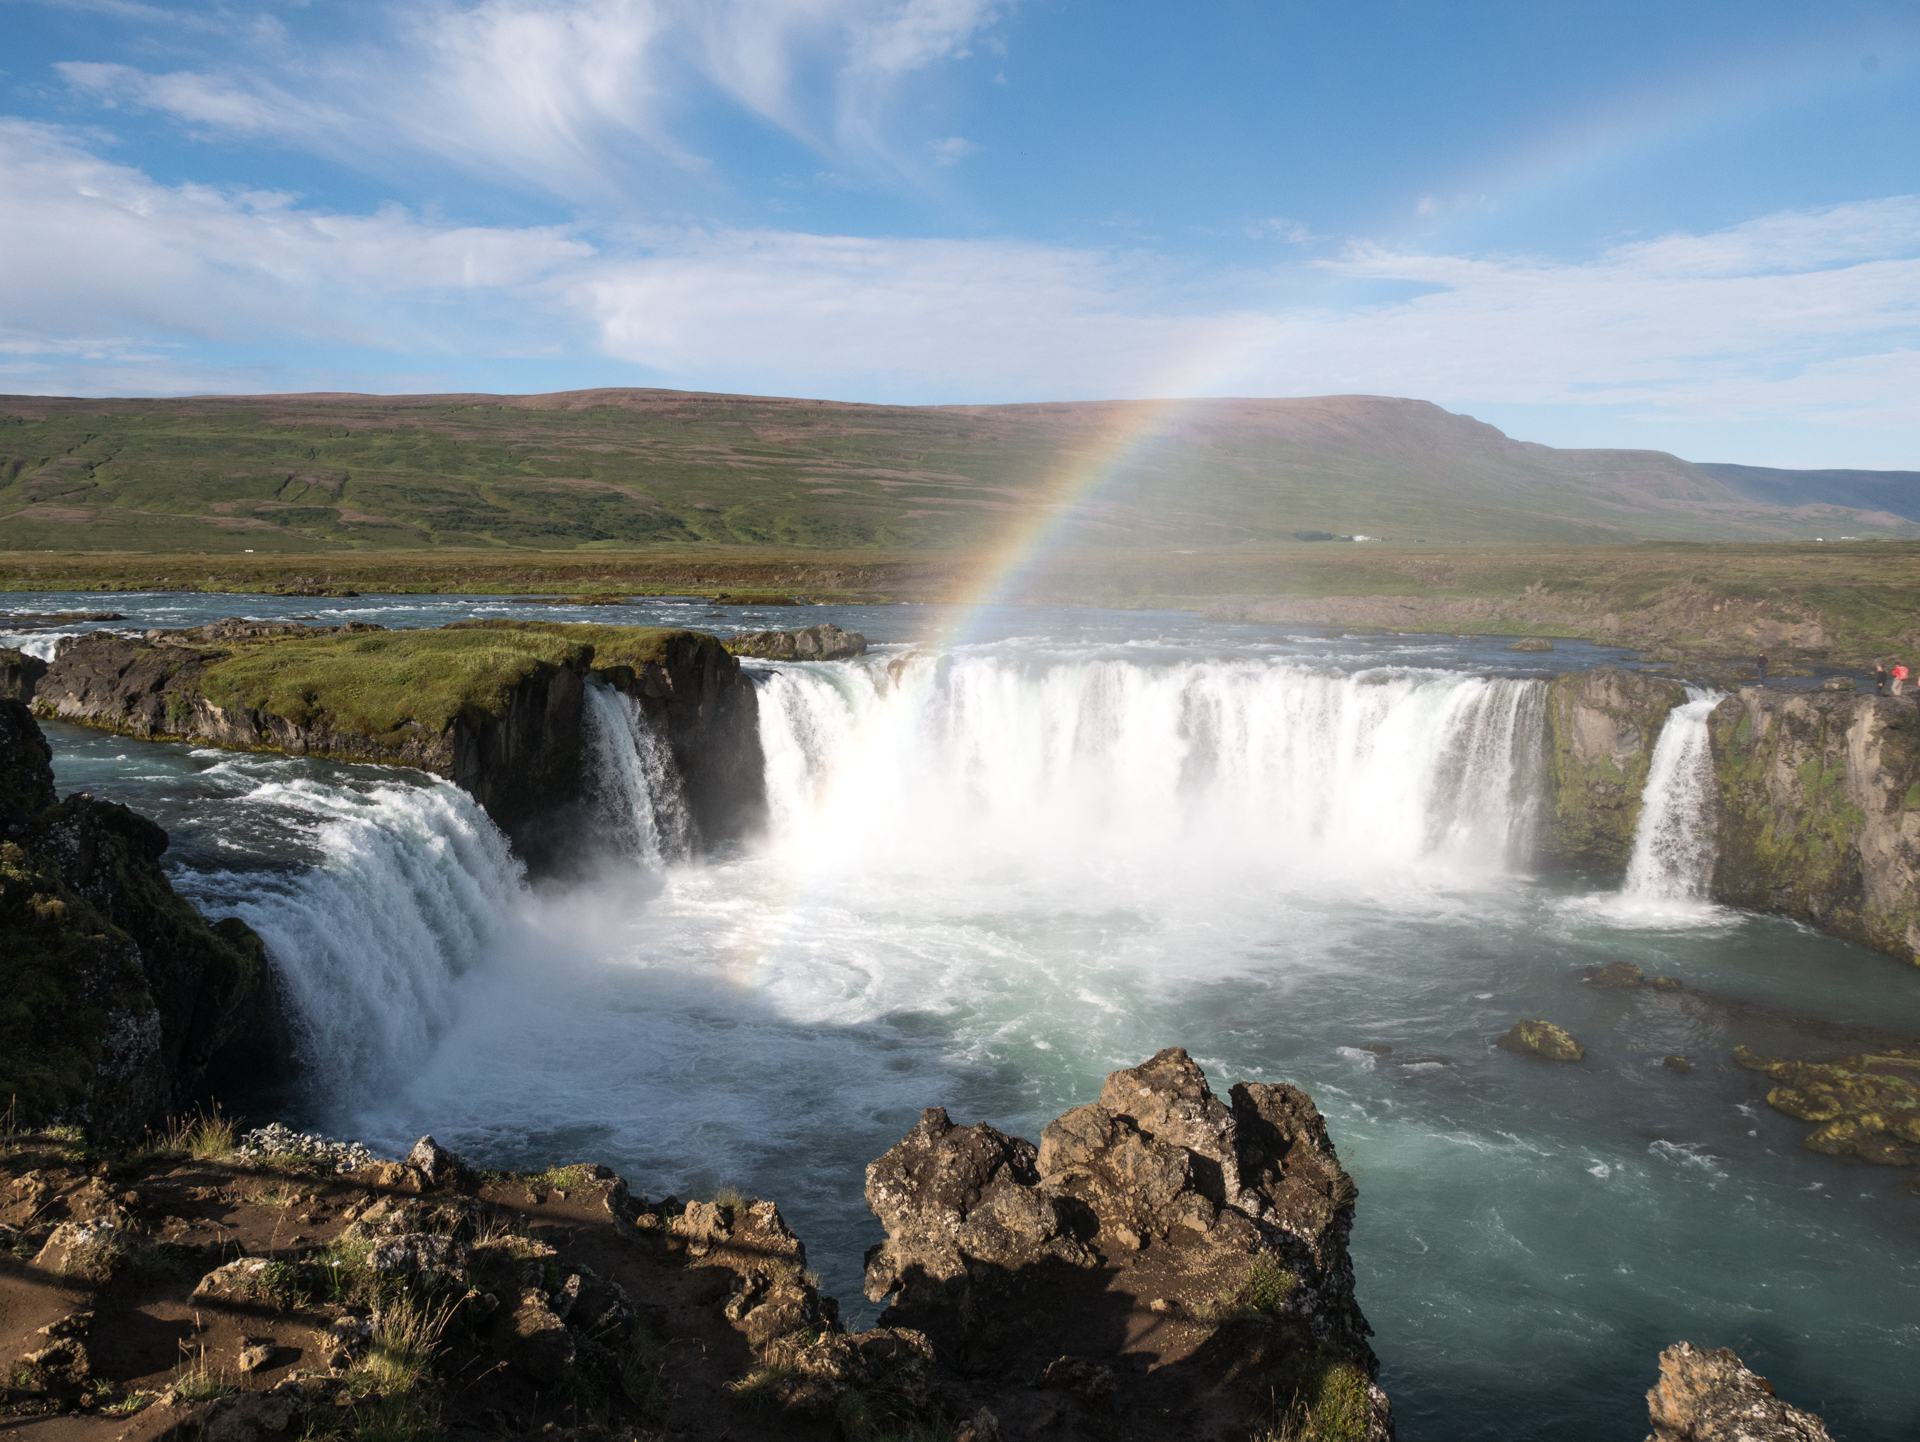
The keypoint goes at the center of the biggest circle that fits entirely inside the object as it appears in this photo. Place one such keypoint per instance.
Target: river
(1005, 862)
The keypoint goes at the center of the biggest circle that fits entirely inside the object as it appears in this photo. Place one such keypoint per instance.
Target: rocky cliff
(116, 997)
(1601, 729)
(496, 707)
(1819, 811)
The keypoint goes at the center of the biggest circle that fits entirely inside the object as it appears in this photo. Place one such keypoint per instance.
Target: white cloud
(576, 97)
(1278, 227)
(1812, 316)
(952, 150)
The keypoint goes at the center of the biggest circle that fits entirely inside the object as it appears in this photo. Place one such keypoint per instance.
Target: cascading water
(1269, 762)
(412, 884)
(1673, 844)
(635, 788)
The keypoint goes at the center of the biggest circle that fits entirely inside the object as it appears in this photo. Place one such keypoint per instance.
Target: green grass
(386, 684)
(295, 478)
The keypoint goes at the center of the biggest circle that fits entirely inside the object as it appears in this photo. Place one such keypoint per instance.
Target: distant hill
(1897, 492)
(617, 469)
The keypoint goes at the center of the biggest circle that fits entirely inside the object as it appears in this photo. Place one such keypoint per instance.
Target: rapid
(997, 868)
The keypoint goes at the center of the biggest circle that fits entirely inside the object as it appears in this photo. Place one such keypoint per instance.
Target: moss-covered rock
(1601, 729)
(115, 994)
(1544, 1039)
(1819, 811)
(1866, 1106)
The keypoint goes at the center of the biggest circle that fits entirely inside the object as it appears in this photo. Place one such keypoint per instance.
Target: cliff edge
(116, 996)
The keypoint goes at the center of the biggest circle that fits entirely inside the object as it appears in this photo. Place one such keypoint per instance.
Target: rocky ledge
(1164, 1263)
(1710, 1396)
(497, 707)
(825, 642)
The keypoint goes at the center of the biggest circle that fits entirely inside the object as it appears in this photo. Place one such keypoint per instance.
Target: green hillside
(614, 470)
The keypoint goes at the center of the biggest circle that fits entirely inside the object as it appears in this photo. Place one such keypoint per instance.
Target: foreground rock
(1162, 1254)
(1166, 1264)
(1707, 1396)
(116, 996)
(825, 642)
(1866, 1106)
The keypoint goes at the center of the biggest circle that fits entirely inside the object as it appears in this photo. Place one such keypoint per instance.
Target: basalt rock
(1218, 1228)
(523, 761)
(1819, 811)
(825, 642)
(1601, 729)
(116, 996)
(1710, 1396)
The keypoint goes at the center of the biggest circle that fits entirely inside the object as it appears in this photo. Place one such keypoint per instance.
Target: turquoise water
(1074, 840)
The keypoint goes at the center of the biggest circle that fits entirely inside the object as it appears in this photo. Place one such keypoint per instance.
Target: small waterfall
(1235, 759)
(412, 884)
(1673, 846)
(634, 787)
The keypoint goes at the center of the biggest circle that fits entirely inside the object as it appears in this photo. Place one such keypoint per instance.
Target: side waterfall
(633, 784)
(1241, 758)
(1673, 846)
(369, 945)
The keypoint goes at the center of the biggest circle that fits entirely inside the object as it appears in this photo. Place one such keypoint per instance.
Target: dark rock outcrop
(1819, 811)
(825, 642)
(1159, 1231)
(1601, 729)
(1709, 1396)
(116, 996)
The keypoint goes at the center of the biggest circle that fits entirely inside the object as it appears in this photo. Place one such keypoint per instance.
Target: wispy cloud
(1812, 314)
(952, 150)
(576, 97)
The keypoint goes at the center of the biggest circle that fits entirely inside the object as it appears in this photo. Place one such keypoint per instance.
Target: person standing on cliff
(1761, 666)
(1899, 678)
(1879, 678)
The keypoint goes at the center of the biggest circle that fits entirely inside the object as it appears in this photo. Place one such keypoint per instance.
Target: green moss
(388, 684)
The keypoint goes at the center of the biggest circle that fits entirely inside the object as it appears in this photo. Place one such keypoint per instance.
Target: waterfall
(1231, 758)
(412, 884)
(1673, 845)
(633, 785)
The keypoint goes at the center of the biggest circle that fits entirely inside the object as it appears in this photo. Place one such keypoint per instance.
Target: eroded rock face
(1159, 1206)
(1819, 811)
(1707, 1396)
(1601, 729)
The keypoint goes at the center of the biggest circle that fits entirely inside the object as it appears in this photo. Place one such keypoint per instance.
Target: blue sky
(1692, 227)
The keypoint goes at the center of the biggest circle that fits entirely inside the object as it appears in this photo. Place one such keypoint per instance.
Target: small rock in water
(1618, 973)
(1666, 983)
(1542, 1038)
(1673, 1061)
(1531, 643)
(1837, 683)
(1378, 1049)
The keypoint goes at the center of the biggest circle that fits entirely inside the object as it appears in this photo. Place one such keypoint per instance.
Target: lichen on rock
(1544, 1039)
(1865, 1106)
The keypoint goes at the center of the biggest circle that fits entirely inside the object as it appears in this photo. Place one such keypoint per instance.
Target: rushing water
(998, 869)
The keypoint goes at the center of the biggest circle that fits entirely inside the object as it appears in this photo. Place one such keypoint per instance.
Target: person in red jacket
(1899, 679)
